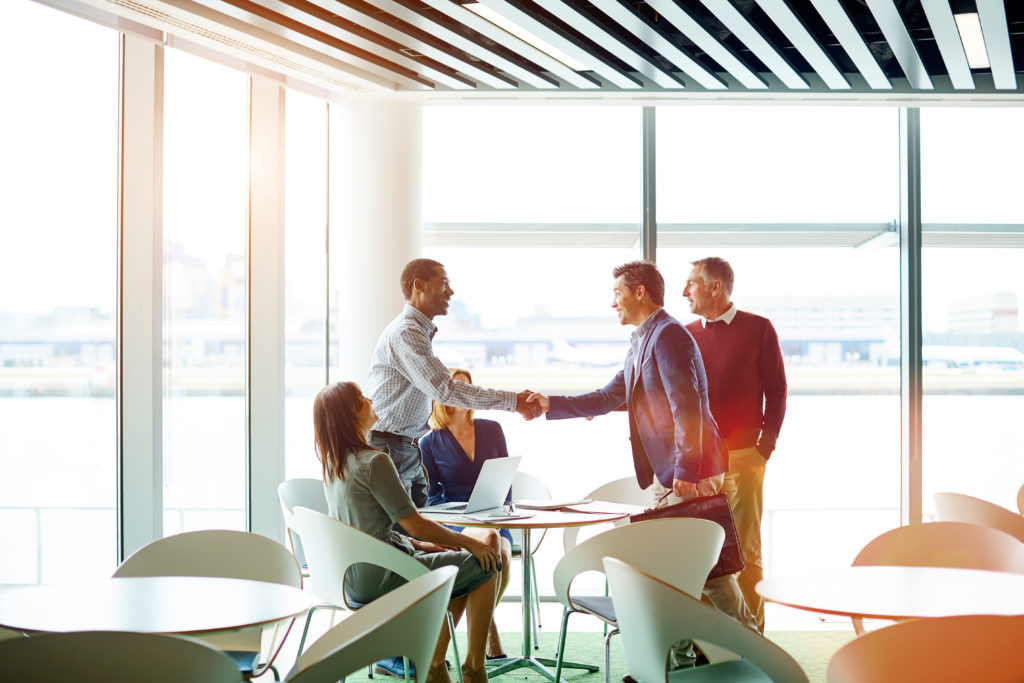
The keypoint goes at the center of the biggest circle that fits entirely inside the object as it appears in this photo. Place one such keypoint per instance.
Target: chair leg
(455, 646)
(560, 653)
(305, 630)
(608, 655)
(535, 597)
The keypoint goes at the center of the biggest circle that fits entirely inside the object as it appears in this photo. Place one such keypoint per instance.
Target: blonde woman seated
(363, 490)
(453, 453)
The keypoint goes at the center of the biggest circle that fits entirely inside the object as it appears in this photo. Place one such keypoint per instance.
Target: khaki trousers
(744, 484)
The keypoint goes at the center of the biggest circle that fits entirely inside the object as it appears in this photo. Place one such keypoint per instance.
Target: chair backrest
(956, 507)
(114, 658)
(309, 493)
(333, 546)
(624, 490)
(528, 487)
(907, 651)
(653, 615)
(679, 550)
(405, 622)
(945, 544)
(215, 552)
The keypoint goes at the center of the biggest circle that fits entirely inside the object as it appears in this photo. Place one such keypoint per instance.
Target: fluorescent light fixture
(522, 34)
(969, 26)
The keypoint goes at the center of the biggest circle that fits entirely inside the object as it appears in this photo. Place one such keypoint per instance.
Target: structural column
(265, 316)
(140, 323)
(374, 223)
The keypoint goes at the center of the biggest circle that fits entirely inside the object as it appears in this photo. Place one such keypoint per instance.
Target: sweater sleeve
(773, 381)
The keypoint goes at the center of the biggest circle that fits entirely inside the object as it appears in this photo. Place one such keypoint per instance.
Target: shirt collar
(643, 327)
(417, 316)
(725, 317)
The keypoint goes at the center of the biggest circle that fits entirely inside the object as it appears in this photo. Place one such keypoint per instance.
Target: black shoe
(393, 667)
(628, 679)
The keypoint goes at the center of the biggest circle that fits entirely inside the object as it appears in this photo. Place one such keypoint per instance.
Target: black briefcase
(712, 508)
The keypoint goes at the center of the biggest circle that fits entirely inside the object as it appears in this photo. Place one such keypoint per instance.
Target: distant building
(991, 313)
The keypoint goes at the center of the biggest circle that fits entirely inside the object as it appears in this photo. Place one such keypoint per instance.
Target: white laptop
(489, 493)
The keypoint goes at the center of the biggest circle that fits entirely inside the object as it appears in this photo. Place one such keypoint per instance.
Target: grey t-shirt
(371, 497)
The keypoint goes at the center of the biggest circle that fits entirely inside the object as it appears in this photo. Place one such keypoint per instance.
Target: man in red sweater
(747, 394)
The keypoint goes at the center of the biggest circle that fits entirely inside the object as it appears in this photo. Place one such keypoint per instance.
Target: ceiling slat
(422, 22)
(636, 26)
(707, 42)
(556, 39)
(896, 34)
(794, 30)
(599, 35)
(252, 16)
(370, 46)
(992, 14)
(940, 18)
(849, 37)
(506, 39)
(756, 43)
(325, 9)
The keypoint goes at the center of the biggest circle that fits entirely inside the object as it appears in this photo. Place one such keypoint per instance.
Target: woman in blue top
(453, 453)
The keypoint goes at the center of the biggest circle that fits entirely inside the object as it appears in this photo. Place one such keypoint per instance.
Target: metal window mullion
(140, 297)
(649, 226)
(911, 335)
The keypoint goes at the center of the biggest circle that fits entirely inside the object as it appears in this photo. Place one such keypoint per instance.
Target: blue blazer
(671, 430)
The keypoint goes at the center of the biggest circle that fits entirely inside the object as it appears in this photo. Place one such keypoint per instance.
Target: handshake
(530, 404)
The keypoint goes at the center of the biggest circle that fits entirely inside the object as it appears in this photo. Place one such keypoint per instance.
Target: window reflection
(58, 270)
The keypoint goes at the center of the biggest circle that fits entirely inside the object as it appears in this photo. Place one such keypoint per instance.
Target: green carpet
(812, 649)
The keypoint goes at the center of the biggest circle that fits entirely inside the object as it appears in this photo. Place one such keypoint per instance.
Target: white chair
(332, 547)
(956, 507)
(406, 622)
(681, 549)
(942, 544)
(229, 554)
(947, 649)
(525, 486)
(94, 656)
(309, 493)
(654, 615)
(1020, 499)
(624, 490)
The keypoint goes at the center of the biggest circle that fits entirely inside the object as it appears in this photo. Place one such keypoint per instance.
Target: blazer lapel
(633, 370)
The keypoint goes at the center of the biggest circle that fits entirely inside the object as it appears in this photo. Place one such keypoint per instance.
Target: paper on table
(549, 503)
(606, 507)
(499, 517)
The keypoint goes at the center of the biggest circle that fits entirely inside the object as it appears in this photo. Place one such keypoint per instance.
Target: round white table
(538, 519)
(158, 604)
(899, 592)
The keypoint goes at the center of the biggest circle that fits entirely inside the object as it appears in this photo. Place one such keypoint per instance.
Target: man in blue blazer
(677, 449)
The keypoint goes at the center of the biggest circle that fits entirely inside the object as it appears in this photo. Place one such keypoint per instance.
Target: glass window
(971, 295)
(58, 270)
(808, 196)
(206, 174)
(530, 209)
(305, 275)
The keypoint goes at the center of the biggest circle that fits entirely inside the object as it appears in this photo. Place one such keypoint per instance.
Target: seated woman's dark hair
(336, 427)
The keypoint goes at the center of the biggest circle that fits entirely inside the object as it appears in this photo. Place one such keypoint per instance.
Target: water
(832, 484)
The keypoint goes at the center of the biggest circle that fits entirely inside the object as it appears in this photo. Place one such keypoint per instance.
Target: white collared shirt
(725, 317)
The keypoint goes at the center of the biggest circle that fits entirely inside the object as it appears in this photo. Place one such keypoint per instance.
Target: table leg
(539, 664)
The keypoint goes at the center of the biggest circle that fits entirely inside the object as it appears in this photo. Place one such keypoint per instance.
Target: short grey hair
(715, 268)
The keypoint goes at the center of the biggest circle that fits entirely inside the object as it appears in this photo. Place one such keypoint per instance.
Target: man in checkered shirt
(405, 376)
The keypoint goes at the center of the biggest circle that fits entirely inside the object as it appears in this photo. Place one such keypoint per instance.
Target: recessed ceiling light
(969, 26)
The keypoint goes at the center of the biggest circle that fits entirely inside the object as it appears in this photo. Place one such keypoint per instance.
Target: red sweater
(746, 378)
